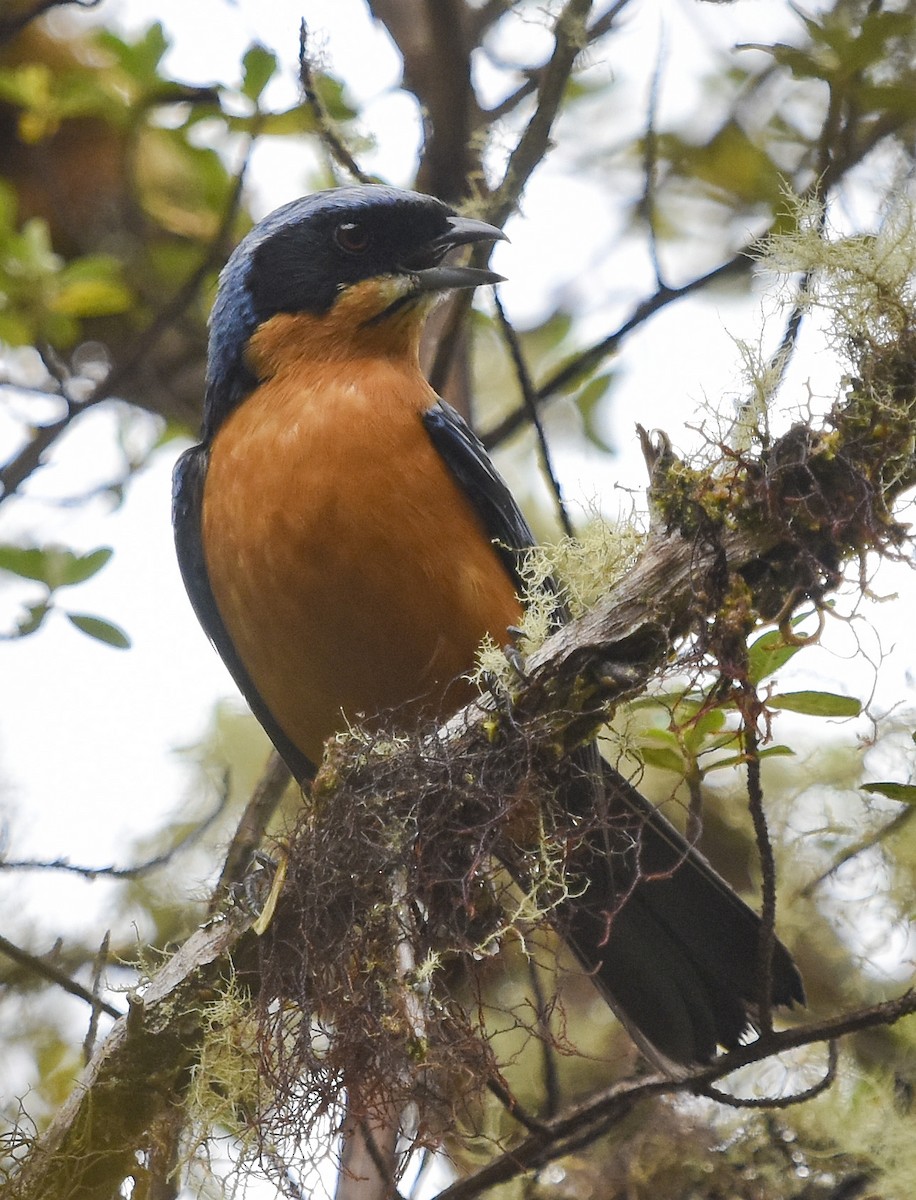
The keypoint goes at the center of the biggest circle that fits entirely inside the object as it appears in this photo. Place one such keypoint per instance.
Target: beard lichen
(370, 992)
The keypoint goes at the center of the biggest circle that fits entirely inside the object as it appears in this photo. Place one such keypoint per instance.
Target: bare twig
(112, 872)
(530, 401)
(587, 359)
(864, 844)
(549, 1072)
(46, 970)
(515, 1110)
(98, 967)
(774, 1102)
(249, 833)
(599, 27)
(569, 40)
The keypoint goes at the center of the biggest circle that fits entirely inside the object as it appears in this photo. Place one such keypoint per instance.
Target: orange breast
(350, 570)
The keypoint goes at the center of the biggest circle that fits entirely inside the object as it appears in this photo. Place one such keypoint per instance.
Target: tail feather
(672, 947)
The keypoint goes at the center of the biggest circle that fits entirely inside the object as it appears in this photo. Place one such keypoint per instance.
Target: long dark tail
(673, 948)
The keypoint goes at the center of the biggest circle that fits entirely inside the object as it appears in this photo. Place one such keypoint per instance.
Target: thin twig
(46, 970)
(767, 937)
(583, 362)
(112, 872)
(515, 1110)
(249, 833)
(529, 398)
(772, 1102)
(583, 1123)
(532, 146)
(599, 27)
(549, 1073)
(860, 847)
(98, 966)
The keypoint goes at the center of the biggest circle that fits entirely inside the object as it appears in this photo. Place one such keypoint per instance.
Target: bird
(347, 544)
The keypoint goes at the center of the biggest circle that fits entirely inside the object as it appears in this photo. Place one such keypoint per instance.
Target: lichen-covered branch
(137, 1075)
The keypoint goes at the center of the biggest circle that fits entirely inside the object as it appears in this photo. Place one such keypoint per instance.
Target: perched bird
(347, 544)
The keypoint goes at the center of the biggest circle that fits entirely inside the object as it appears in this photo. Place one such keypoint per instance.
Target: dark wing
(464, 455)
(187, 502)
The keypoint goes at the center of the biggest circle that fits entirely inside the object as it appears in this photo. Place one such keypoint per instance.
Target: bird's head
(354, 263)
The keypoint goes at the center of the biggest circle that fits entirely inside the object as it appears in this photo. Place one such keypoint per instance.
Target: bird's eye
(352, 237)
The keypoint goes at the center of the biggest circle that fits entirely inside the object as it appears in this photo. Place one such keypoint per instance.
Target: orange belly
(352, 574)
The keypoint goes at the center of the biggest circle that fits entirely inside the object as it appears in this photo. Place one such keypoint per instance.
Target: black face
(356, 233)
(298, 259)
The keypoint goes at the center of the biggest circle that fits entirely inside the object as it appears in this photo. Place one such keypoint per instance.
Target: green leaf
(709, 723)
(54, 566)
(140, 59)
(258, 68)
(768, 653)
(84, 566)
(100, 629)
(33, 620)
(904, 792)
(664, 759)
(816, 704)
(588, 401)
(27, 562)
(737, 760)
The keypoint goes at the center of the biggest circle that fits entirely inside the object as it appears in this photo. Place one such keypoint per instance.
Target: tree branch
(136, 1075)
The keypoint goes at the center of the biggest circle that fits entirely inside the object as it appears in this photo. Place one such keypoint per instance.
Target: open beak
(462, 231)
